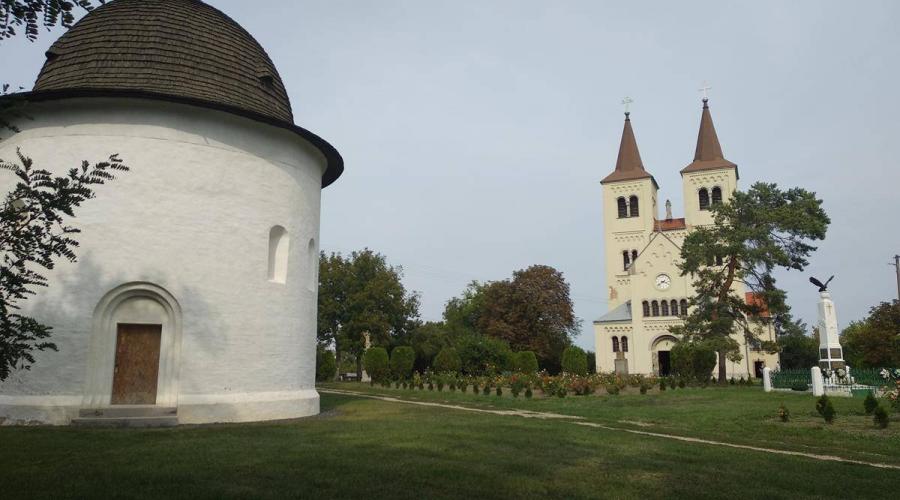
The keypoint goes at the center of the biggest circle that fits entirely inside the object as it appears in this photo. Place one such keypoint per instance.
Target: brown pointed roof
(708, 155)
(628, 166)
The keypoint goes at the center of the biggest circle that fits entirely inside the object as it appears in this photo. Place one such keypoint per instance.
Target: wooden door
(137, 364)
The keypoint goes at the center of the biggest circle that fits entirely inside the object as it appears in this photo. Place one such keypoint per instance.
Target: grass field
(366, 448)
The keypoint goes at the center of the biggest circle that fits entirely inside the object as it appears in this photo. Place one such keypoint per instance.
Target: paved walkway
(575, 420)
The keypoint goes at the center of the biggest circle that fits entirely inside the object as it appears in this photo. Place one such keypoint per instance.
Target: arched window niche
(716, 195)
(622, 206)
(615, 344)
(703, 196)
(646, 308)
(279, 243)
(624, 344)
(634, 209)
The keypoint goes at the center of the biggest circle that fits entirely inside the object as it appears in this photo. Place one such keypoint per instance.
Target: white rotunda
(194, 296)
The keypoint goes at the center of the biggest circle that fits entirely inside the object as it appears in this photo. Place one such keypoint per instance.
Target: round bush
(574, 360)
(376, 363)
(446, 361)
(325, 365)
(526, 362)
(880, 417)
(402, 360)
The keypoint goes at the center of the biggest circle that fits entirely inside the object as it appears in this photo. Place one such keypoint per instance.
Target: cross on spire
(626, 102)
(705, 90)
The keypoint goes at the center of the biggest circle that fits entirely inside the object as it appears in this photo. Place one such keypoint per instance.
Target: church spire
(628, 165)
(708, 155)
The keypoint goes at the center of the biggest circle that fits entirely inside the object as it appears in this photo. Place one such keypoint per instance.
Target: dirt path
(571, 419)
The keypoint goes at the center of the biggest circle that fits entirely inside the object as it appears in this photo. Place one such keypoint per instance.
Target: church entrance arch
(135, 348)
(660, 354)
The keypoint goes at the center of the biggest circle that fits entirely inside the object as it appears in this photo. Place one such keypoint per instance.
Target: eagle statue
(822, 286)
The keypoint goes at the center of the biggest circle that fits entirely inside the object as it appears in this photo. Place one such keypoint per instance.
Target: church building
(647, 293)
(193, 299)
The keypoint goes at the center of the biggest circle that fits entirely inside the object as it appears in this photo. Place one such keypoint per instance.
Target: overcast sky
(475, 133)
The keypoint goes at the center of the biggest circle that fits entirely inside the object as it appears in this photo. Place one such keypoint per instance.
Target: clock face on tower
(663, 282)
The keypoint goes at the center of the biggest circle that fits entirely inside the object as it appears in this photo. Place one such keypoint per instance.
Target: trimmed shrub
(783, 413)
(446, 361)
(402, 360)
(662, 384)
(681, 383)
(326, 365)
(528, 392)
(499, 391)
(574, 360)
(525, 362)
(672, 383)
(825, 408)
(612, 389)
(644, 388)
(880, 416)
(870, 403)
(375, 360)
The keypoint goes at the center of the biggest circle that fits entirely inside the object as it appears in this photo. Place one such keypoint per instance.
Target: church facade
(647, 293)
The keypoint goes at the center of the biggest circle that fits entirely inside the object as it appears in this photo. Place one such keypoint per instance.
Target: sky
(475, 133)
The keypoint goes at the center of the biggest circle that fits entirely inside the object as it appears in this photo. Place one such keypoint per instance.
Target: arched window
(623, 207)
(626, 260)
(624, 344)
(716, 195)
(665, 308)
(704, 199)
(615, 344)
(654, 306)
(633, 204)
(674, 307)
(278, 254)
(719, 260)
(684, 308)
(646, 308)
(634, 255)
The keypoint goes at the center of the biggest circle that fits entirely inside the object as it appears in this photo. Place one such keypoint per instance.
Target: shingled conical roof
(180, 48)
(628, 165)
(177, 50)
(708, 155)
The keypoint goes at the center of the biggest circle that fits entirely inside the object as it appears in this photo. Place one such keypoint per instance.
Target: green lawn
(364, 448)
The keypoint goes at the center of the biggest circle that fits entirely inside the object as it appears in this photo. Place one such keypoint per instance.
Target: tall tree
(461, 314)
(363, 294)
(875, 341)
(34, 234)
(532, 312)
(753, 234)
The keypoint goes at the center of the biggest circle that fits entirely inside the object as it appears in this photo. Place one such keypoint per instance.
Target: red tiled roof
(755, 299)
(669, 224)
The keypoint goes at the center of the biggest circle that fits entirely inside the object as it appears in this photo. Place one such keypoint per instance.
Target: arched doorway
(660, 352)
(135, 348)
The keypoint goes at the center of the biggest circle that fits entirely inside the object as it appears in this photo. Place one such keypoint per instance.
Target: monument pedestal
(831, 355)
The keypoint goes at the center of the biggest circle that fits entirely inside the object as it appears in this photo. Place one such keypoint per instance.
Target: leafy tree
(402, 360)
(377, 363)
(32, 14)
(462, 314)
(875, 341)
(526, 362)
(483, 355)
(592, 361)
(325, 365)
(427, 340)
(574, 360)
(362, 294)
(447, 361)
(34, 234)
(532, 312)
(798, 350)
(752, 235)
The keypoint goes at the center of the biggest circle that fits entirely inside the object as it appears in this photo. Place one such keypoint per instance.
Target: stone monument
(831, 355)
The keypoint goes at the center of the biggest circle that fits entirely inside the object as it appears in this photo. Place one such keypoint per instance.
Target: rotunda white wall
(191, 220)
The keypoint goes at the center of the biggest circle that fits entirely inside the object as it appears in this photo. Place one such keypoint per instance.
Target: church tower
(629, 212)
(710, 178)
